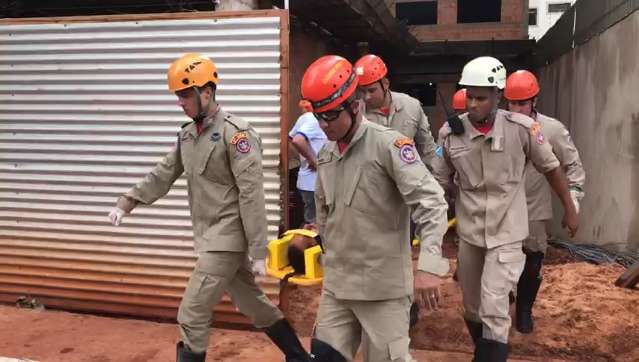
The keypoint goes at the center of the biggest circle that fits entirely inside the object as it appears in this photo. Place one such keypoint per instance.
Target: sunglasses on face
(331, 114)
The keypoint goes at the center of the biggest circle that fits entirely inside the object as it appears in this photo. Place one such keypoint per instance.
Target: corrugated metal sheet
(84, 114)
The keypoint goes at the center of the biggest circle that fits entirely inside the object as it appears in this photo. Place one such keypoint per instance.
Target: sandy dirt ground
(580, 316)
(52, 336)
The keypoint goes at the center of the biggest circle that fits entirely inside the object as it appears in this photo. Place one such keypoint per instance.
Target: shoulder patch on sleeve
(407, 153)
(403, 141)
(238, 136)
(241, 142)
(535, 131)
(535, 128)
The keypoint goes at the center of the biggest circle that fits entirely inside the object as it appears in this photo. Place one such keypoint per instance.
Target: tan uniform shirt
(538, 192)
(223, 168)
(363, 198)
(491, 201)
(407, 117)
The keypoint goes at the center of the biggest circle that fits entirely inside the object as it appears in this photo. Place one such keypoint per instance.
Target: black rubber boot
(491, 351)
(184, 355)
(284, 337)
(527, 289)
(414, 315)
(475, 330)
(323, 352)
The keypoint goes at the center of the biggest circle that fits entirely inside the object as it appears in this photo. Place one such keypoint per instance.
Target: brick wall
(513, 24)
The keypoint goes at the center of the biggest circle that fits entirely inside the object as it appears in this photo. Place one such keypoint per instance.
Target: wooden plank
(284, 114)
(630, 277)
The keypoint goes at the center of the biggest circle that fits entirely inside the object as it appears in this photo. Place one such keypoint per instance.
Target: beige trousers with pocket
(486, 277)
(216, 273)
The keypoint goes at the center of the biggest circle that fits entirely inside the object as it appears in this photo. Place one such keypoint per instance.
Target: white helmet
(484, 72)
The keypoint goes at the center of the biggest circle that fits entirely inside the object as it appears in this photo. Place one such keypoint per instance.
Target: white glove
(575, 196)
(258, 267)
(116, 215)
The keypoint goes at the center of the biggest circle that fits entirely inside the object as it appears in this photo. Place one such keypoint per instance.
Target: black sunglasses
(331, 114)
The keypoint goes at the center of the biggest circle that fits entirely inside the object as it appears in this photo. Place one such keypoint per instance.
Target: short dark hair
(296, 259)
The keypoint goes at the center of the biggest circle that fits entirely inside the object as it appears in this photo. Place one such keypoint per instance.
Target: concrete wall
(594, 90)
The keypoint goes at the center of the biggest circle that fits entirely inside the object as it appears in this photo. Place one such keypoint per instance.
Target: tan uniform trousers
(383, 323)
(537, 241)
(486, 277)
(214, 274)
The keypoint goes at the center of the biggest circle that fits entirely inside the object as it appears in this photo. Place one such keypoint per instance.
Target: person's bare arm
(304, 148)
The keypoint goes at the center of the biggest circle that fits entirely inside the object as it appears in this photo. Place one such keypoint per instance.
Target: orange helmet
(328, 82)
(459, 100)
(370, 69)
(521, 85)
(191, 70)
(305, 106)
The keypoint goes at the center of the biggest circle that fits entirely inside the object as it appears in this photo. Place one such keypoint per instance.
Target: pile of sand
(580, 315)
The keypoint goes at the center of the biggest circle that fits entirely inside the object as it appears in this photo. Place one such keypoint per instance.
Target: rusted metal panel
(84, 114)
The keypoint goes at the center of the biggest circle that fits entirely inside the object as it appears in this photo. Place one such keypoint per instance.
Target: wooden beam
(284, 114)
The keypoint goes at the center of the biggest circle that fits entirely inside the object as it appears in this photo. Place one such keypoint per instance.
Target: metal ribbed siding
(85, 114)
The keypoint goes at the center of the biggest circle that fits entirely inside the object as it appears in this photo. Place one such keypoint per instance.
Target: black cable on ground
(596, 254)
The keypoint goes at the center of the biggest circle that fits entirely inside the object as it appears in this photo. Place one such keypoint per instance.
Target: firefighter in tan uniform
(220, 156)
(395, 110)
(369, 179)
(488, 161)
(521, 92)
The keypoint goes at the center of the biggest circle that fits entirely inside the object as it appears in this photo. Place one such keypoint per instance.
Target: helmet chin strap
(353, 121)
(202, 111)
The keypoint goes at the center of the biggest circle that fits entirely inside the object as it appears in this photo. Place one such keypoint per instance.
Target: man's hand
(427, 294)
(258, 267)
(116, 215)
(570, 221)
(312, 165)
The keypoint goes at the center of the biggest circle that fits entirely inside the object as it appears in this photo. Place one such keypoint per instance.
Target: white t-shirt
(308, 126)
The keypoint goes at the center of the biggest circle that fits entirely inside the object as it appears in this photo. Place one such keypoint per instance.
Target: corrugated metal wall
(84, 114)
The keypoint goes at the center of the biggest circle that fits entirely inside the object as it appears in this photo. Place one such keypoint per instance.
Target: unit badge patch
(241, 142)
(407, 153)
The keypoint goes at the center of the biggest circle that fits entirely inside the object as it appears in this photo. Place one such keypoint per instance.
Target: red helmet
(370, 69)
(459, 100)
(328, 82)
(521, 85)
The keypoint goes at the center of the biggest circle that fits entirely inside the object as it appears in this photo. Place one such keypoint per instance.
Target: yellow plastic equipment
(451, 224)
(278, 265)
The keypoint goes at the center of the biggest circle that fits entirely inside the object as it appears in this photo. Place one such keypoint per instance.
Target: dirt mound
(580, 315)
